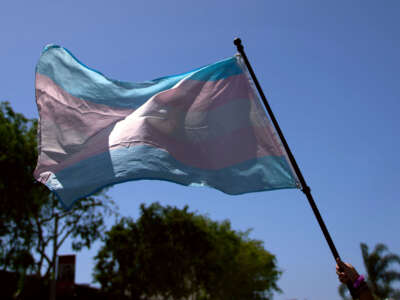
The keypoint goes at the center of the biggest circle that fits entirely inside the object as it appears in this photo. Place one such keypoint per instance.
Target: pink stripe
(194, 95)
(71, 129)
(239, 146)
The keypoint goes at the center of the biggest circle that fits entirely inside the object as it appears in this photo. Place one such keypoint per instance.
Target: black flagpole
(305, 188)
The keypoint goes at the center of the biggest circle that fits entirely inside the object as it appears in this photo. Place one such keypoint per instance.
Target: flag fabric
(205, 127)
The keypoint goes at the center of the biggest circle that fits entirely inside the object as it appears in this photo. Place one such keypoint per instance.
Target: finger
(340, 273)
(340, 263)
(347, 265)
(343, 280)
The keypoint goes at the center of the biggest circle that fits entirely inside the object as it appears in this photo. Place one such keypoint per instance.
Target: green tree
(31, 218)
(380, 275)
(20, 195)
(175, 254)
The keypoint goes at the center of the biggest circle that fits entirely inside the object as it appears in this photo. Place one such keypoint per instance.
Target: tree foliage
(380, 274)
(20, 195)
(30, 216)
(175, 253)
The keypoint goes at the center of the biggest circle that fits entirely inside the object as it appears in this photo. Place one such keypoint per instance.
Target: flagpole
(306, 190)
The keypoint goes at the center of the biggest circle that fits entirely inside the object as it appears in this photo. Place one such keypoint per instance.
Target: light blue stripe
(88, 84)
(146, 162)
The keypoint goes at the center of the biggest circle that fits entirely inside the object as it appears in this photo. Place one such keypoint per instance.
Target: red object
(66, 273)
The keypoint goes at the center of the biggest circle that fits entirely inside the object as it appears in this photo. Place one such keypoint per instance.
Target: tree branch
(69, 231)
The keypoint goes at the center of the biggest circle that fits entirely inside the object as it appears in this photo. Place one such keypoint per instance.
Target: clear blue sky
(331, 71)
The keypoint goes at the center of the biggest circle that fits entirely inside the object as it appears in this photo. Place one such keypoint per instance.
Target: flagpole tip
(238, 43)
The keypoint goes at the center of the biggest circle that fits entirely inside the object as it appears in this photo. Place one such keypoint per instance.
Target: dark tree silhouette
(177, 254)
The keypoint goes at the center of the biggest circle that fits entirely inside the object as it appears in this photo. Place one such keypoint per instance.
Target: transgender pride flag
(201, 128)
